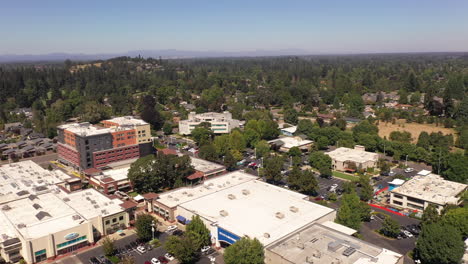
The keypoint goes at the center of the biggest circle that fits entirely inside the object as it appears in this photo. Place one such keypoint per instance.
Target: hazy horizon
(332, 27)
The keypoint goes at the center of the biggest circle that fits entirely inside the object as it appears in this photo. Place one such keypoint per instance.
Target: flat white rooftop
(257, 209)
(185, 194)
(21, 179)
(290, 142)
(319, 244)
(432, 188)
(206, 166)
(347, 154)
(113, 174)
(127, 120)
(291, 129)
(85, 129)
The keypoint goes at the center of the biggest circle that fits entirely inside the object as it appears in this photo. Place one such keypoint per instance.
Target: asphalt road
(41, 160)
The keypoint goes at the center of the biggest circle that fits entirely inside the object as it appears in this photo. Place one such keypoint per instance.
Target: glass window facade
(64, 244)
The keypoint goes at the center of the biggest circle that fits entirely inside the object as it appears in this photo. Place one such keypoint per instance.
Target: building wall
(102, 158)
(114, 222)
(68, 154)
(273, 258)
(404, 201)
(143, 133)
(124, 138)
(69, 138)
(146, 148)
(86, 146)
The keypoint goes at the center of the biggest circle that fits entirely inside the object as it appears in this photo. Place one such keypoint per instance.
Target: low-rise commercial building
(205, 169)
(221, 123)
(39, 219)
(289, 131)
(319, 244)
(421, 191)
(109, 181)
(237, 204)
(343, 157)
(85, 146)
(284, 144)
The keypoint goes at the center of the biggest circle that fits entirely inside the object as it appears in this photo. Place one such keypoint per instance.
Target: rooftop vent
(41, 215)
(21, 225)
(223, 213)
(231, 196)
(266, 235)
(32, 197)
(245, 192)
(279, 215)
(76, 217)
(66, 199)
(294, 209)
(21, 193)
(349, 251)
(37, 206)
(6, 207)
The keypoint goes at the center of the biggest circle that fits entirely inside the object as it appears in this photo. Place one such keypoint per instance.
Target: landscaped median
(345, 176)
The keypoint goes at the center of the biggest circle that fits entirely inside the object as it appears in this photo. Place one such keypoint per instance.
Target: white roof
(424, 172)
(257, 209)
(320, 244)
(205, 166)
(114, 174)
(290, 142)
(90, 203)
(85, 129)
(127, 120)
(18, 180)
(397, 182)
(432, 188)
(291, 130)
(341, 228)
(175, 197)
(347, 154)
(138, 198)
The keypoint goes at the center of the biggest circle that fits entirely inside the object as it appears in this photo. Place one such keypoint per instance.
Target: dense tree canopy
(245, 251)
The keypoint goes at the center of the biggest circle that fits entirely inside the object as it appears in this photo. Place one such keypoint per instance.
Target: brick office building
(84, 146)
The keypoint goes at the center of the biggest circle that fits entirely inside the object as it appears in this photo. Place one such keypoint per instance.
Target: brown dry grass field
(414, 128)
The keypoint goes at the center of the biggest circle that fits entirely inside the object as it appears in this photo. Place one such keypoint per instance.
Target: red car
(163, 260)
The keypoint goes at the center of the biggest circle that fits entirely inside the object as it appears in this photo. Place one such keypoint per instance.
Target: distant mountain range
(165, 54)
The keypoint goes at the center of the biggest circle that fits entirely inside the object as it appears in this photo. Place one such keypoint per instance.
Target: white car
(407, 233)
(171, 228)
(141, 249)
(155, 261)
(205, 249)
(409, 170)
(169, 256)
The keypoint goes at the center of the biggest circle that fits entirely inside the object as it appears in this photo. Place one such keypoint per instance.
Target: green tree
(307, 183)
(262, 148)
(108, 246)
(352, 211)
(237, 141)
(167, 128)
(202, 135)
(127, 260)
(430, 215)
(182, 248)
(294, 152)
(322, 162)
(143, 225)
(367, 191)
(149, 112)
(245, 251)
(229, 161)
(390, 227)
(208, 152)
(440, 244)
(457, 218)
(272, 168)
(365, 127)
(291, 116)
(197, 227)
(221, 144)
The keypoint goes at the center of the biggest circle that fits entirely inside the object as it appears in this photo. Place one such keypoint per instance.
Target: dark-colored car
(94, 260)
(163, 260)
(178, 233)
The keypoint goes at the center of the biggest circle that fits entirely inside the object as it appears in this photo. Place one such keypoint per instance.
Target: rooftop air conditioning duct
(231, 196)
(279, 215)
(223, 213)
(245, 192)
(294, 209)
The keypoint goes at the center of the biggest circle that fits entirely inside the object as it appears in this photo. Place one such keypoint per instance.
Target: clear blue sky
(317, 26)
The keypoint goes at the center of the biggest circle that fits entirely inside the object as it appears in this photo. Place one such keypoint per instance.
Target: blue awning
(181, 218)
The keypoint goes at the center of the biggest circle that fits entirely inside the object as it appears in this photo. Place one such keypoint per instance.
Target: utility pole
(152, 228)
(406, 162)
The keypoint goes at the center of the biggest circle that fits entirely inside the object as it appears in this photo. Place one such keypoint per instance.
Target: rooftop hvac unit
(293, 209)
(245, 192)
(279, 215)
(349, 251)
(223, 213)
(231, 196)
(21, 225)
(6, 207)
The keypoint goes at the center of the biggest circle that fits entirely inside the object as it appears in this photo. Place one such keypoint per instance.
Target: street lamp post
(406, 162)
(152, 228)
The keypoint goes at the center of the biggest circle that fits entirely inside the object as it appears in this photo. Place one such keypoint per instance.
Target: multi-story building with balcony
(84, 146)
(220, 123)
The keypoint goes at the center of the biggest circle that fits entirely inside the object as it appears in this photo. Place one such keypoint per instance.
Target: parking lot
(325, 184)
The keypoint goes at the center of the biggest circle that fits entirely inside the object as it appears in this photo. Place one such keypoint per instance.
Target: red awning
(196, 175)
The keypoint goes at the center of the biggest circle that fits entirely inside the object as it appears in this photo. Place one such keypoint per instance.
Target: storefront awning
(181, 219)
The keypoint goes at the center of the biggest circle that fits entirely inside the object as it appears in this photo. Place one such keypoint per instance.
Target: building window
(64, 244)
(398, 196)
(114, 220)
(397, 203)
(107, 222)
(121, 218)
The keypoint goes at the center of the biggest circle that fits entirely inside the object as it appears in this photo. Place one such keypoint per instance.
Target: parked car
(178, 233)
(205, 249)
(155, 261)
(94, 260)
(141, 249)
(407, 233)
(319, 198)
(408, 170)
(169, 256)
(171, 228)
(333, 187)
(163, 260)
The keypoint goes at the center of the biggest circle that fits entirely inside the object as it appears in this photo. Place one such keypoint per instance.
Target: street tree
(367, 191)
(108, 246)
(262, 148)
(197, 227)
(440, 244)
(272, 168)
(181, 248)
(229, 161)
(430, 215)
(143, 225)
(245, 251)
(390, 227)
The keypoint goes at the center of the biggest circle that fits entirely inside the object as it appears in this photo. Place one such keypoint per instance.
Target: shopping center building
(237, 204)
(40, 219)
